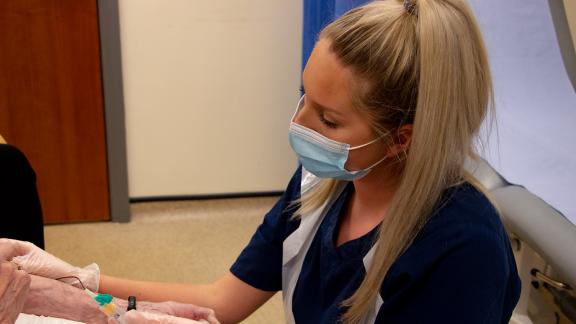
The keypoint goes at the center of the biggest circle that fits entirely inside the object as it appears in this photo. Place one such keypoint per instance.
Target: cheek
(365, 157)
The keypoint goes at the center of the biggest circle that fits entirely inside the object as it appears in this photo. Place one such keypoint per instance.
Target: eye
(326, 122)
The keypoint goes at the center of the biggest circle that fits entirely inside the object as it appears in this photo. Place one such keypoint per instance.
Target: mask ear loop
(371, 142)
(298, 107)
(382, 135)
(378, 162)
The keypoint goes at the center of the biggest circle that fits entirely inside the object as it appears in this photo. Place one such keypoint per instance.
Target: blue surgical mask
(321, 156)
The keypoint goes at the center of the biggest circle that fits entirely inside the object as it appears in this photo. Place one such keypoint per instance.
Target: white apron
(295, 248)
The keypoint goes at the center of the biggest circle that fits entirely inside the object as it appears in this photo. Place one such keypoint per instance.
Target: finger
(111, 320)
(204, 313)
(10, 266)
(21, 278)
(14, 294)
(212, 318)
(22, 286)
(8, 249)
(6, 273)
(16, 265)
(136, 317)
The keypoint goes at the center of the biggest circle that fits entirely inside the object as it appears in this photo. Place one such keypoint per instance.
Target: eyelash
(324, 121)
(328, 123)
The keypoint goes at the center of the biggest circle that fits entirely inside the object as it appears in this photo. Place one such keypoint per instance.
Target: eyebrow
(334, 111)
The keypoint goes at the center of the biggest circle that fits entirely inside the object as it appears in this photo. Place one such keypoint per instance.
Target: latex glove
(48, 297)
(38, 262)
(11, 248)
(140, 317)
(174, 309)
(14, 286)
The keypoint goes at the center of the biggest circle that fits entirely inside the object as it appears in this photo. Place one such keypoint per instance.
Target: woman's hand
(14, 285)
(49, 297)
(171, 310)
(140, 317)
(38, 262)
(12, 248)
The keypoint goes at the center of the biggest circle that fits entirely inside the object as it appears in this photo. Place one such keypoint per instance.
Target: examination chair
(544, 243)
(530, 160)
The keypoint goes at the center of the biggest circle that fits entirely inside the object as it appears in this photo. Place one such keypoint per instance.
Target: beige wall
(210, 87)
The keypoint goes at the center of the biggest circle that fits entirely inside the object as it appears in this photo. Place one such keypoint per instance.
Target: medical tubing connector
(107, 306)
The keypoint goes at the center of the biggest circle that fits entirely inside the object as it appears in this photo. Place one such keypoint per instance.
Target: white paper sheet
(33, 319)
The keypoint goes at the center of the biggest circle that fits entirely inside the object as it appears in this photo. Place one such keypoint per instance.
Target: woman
(381, 224)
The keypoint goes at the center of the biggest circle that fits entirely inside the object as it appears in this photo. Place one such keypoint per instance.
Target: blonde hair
(429, 70)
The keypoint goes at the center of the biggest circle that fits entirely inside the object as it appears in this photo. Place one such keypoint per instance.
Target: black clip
(131, 303)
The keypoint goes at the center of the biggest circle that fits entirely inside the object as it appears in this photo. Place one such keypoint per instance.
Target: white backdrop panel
(535, 144)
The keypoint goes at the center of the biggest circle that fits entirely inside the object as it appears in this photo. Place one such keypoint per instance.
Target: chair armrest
(542, 227)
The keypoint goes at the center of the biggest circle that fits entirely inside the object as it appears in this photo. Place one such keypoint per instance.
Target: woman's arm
(230, 298)
(48, 297)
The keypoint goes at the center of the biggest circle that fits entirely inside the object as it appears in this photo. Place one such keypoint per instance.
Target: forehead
(326, 81)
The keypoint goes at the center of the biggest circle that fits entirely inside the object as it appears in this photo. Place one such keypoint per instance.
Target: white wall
(209, 89)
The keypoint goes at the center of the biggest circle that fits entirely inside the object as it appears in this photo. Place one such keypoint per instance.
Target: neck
(368, 204)
(375, 191)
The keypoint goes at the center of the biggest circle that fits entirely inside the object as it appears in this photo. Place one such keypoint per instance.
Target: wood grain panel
(51, 103)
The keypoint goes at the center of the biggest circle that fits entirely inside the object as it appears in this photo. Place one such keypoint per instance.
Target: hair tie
(410, 7)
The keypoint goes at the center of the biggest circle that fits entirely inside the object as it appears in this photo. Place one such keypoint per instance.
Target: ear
(400, 143)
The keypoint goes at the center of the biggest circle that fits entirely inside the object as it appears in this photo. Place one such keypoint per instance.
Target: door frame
(113, 92)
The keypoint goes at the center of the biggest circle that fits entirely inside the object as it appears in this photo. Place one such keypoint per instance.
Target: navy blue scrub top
(459, 269)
